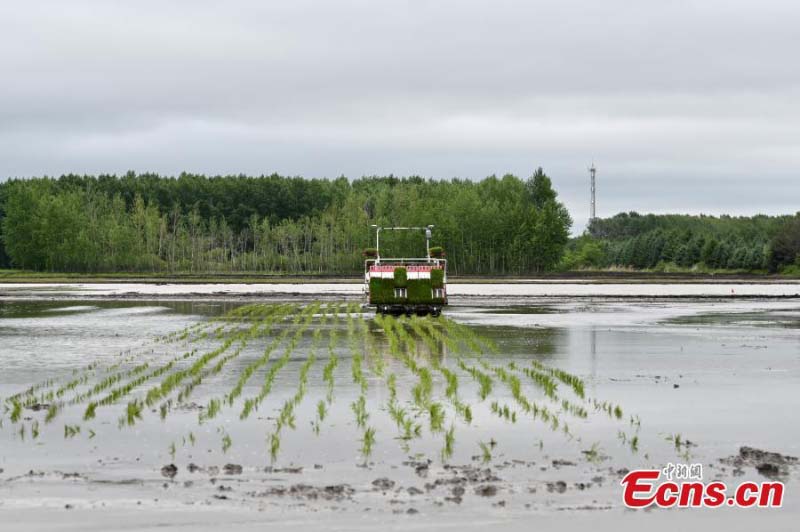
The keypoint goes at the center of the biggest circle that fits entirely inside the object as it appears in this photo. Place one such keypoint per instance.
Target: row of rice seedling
(504, 412)
(356, 356)
(484, 381)
(543, 381)
(575, 382)
(483, 378)
(243, 338)
(406, 423)
(122, 391)
(252, 403)
(333, 358)
(300, 323)
(613, 411)
(451, 379)
(422, 391)
(79, 377)
(359, 406)
(49, 395)
(425, 330)
(56, 406)
(170, 383)
(55, 397)
(544, 377)
(286, 416)
(374, 355)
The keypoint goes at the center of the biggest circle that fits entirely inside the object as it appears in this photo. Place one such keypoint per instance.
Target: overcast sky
(684, 106)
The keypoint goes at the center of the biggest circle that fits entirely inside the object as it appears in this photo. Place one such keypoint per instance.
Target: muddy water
(720, 373)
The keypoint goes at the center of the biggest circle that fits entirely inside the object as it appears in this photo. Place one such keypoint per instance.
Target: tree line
(687, 242)
(275, 224)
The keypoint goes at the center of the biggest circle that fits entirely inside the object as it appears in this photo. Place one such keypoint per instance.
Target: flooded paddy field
(215, 410)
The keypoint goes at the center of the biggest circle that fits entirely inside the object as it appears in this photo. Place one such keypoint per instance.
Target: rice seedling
(212, 409)
(16, 411)
(227, 442)
(327, 375)
(411, 429)
(484, 381)
(322, 410)
(503, 412)
(680, 443)
(274, 445)
(359, 408)
(391, 385)
(52, 412)
(486, 452)
(376, 358)
(437, 416)
(133, 411)
(90, 411)
(35, 430)
(358, 375)
(333, 359)
(286, 417)
(70, 431)
(172, 450)
(367, 441)
(593, 455)
(463, 410)
(451, 391)
(449, 443)
(423, 390)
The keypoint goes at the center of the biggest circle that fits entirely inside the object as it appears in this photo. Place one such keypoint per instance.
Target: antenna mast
(592, 172)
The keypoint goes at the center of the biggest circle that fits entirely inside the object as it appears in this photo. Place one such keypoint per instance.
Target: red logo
(642, 488)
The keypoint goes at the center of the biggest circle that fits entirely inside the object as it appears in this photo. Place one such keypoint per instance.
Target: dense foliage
(665, 242)
(191, 223)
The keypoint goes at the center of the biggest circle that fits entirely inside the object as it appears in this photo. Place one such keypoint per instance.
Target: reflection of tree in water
(544, 343)
(38, 309)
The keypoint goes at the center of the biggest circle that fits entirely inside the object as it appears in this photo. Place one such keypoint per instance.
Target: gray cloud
(685, 106)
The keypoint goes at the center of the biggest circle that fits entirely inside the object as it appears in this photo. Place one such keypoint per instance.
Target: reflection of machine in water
(406, 285)
(431, 349)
